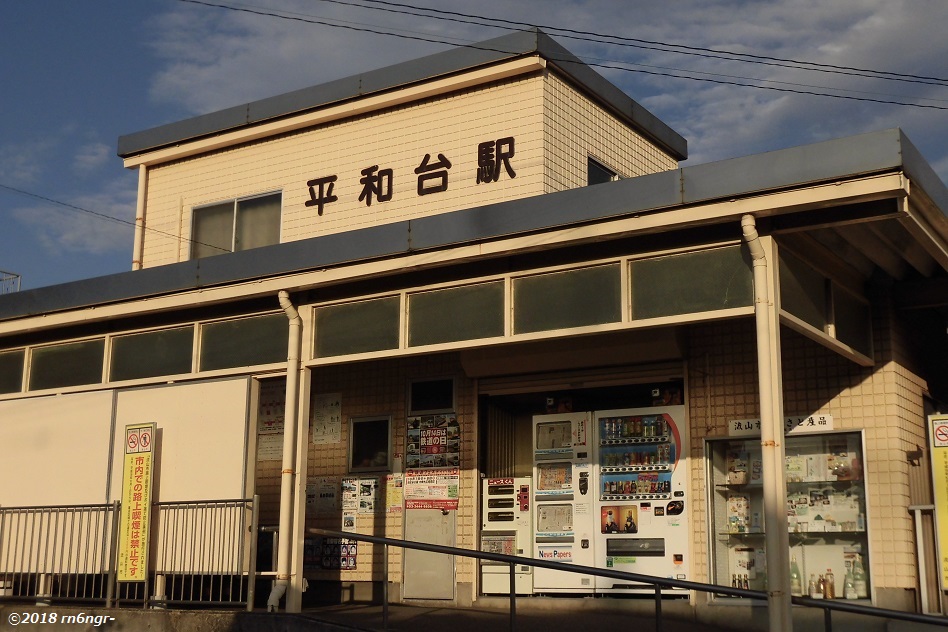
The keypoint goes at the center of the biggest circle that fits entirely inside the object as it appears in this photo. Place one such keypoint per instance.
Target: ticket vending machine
(564, 497)
(642, 513)
(506, 528)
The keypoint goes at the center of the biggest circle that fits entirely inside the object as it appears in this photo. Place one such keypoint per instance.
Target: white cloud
(69, 230)
(91, 156)
(217, 58)
(23, 163)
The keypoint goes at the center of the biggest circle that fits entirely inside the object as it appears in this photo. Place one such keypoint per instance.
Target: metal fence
(57, 553)
(201, 553)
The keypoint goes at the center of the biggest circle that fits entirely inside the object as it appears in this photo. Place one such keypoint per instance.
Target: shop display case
(826, 512)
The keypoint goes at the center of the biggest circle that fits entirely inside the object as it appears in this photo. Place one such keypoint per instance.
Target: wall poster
(433, 441)
(432, 489)
(327, 418)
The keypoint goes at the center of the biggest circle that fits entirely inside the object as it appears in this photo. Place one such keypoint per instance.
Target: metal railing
(657, 583)
(201, 553)
(62, 553)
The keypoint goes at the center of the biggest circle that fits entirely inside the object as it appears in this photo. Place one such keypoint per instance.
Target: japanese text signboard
(135, 526)
(791, 425)
(938, 444)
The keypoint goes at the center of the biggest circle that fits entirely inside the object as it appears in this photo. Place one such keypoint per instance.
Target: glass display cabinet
(826, 512)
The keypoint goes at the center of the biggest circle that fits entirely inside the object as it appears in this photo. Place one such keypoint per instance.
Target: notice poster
(327, 495)
(394, 497)
(368, 492)
(433, 441)
(326, 424)
(938, 444)
(270, 420)
(432, 489)
(330, 554)
(135, 523)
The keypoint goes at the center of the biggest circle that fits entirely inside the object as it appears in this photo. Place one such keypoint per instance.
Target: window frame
(235, 208)
(351, 450)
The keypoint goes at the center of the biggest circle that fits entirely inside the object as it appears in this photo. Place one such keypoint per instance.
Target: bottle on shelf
(745, 583)
(849, 585)
(812, 588)
(734, 581)
(820, 588)
(859, 579)
(796, 583)
(829, 591)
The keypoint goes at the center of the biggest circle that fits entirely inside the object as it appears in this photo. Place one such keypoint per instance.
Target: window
(11, 371)
(369, 444)
(235, 225)
(458, 313)
(70, 364)
(597, 173)
(431, 396)
(359, 327)
(152, 353)
(244, 342)
(573, 298)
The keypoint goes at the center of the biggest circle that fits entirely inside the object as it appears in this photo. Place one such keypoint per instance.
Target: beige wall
(576, 127)
(553, 125)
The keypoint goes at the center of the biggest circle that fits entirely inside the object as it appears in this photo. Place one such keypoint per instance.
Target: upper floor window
(597, 173)
(234, 225)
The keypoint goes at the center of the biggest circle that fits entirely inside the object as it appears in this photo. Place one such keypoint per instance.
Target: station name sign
(493, 159)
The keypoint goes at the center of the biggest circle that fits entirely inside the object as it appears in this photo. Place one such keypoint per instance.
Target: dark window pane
(802, 291)
(461, 313)
(148, 354)
(258, 222)
(853, 322)
(574, 298)
(244, 342)
(212, 230)
(691, 283)
(357, 327)
(432, 396)
(369, 445)
(67, 365)
(597, 173)
(11, 371)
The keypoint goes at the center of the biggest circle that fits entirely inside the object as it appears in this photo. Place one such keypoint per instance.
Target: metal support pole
(254, 536)
(513, 596)
(113, 555)
(385, 587)
(659, 625)
(827, 620)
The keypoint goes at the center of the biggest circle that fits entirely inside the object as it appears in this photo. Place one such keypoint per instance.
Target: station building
(380, 301)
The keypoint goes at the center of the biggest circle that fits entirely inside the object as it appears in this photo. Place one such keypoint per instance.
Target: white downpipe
(139, 244)
(777, 538)
(288, 478)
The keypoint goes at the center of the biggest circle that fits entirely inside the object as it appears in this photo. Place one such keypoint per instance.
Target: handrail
(658, 582)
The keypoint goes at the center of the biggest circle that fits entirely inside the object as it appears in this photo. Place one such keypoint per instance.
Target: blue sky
(77, 75)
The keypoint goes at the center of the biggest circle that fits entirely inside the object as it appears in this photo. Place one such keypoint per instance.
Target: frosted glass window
(358, 327)
(461, 313)
(244, 342)
(690, 283)
(235, 225)
(853, 322)
(152, 353)
(802, 291)
(11, 370)
(69, 364)
(574, 298)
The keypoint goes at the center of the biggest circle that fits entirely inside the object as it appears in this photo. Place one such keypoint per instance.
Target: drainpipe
(139, 244)
(777, 538)
(289, 452)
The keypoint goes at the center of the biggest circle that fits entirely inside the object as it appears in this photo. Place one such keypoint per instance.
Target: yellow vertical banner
(938, 428)
(134, 527)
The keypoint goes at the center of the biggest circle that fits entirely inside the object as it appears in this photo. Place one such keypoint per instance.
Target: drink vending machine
(564, 497)
(506, 528)
(641, 456)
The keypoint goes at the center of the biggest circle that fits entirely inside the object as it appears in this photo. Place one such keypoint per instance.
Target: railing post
(827, 620)
(513, 596)
(113, 556)
(659, 625)
(385, 587)
(252, 570)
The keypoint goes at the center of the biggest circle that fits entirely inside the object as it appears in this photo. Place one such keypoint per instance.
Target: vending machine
(641, 458)
(564, 497)
(506, 528)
